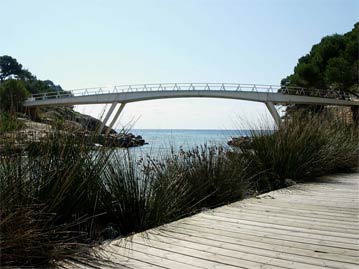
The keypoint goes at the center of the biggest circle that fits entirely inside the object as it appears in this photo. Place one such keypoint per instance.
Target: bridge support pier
(108, 115)
(115, 118)
(273, 111)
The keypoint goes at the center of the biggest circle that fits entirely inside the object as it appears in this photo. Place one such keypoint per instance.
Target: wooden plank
(290, 213)
(274, 231)
(313, 225)
(136, 259)
(350, 210)
(347, 207)
(280, 235)
(242, 259)
(296, 222)
(280, 215)
(79, 264)
(146, 250)
(293, 210)
(335, 236)
(311, 218)
(297, 249)
(315, 197)
(150, 255)
(257, 250)
(311, 245)
(309, 208)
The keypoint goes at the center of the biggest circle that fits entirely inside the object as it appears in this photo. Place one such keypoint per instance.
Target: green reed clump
(144, 194)
(60, 194)
(210, 174)
(68, 174)
(29, 238)
(9, 123)
(303, 148)
(48, 196)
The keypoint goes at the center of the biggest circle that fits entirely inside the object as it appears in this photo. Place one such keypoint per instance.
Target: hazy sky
(80, 44)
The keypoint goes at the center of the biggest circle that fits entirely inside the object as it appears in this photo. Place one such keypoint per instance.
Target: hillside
(22, 124)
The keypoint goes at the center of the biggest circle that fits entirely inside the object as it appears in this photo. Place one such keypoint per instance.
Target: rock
(121, 140)
(61, 114)
(289, 182)
(65, 119)
(97, 145)
(243, 142)
(110, 232)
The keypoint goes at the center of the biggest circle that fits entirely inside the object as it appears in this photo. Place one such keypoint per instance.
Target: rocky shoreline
(65, 120)
(241, 141)
(122, 140)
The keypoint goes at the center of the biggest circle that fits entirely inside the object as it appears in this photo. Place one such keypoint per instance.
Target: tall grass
(9, 123)
(141, 194)
(303, 148)
(60, 196)
(47, 196)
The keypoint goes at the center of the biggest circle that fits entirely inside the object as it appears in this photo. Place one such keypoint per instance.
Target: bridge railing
(194, 87)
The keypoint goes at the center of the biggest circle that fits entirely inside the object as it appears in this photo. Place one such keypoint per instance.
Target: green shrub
(303, 148)
(152, 192)
(47, 201)
(9, 123)
(12, 94)
(67, 193)
(212, 177)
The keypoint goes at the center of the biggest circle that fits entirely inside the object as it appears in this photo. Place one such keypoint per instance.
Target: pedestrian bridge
(270, 95)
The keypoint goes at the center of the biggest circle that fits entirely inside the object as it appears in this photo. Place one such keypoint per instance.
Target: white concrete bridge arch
(270, 95)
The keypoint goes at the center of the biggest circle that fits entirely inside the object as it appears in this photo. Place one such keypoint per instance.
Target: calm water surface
(163, 140)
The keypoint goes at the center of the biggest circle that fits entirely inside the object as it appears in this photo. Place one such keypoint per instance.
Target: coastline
(77, 196)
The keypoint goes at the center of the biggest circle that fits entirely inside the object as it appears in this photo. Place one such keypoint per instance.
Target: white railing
(193, 87)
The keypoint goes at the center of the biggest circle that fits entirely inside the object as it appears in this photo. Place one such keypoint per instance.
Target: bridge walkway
(312, 225)
(270, 95)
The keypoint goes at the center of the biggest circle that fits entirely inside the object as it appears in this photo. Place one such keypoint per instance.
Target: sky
(89, 43)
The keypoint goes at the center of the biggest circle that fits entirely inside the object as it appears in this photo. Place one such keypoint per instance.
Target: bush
(150, 192)
(65, 194)
(303, 148)
(12, 94)
(47, 201)
(212, 177)
(9, 123)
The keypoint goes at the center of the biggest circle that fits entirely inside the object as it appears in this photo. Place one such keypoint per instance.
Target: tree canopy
(16, 83)
(11, 69)
(331, 64)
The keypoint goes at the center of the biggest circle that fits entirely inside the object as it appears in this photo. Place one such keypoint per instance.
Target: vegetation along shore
(59, 195)
(18, 124)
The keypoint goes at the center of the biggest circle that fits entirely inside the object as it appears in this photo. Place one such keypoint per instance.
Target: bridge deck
(311, 225)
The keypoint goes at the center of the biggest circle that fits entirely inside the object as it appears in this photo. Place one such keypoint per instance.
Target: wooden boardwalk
(314, 225)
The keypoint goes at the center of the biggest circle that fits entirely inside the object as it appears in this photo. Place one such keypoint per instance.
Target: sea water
(162, 141)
